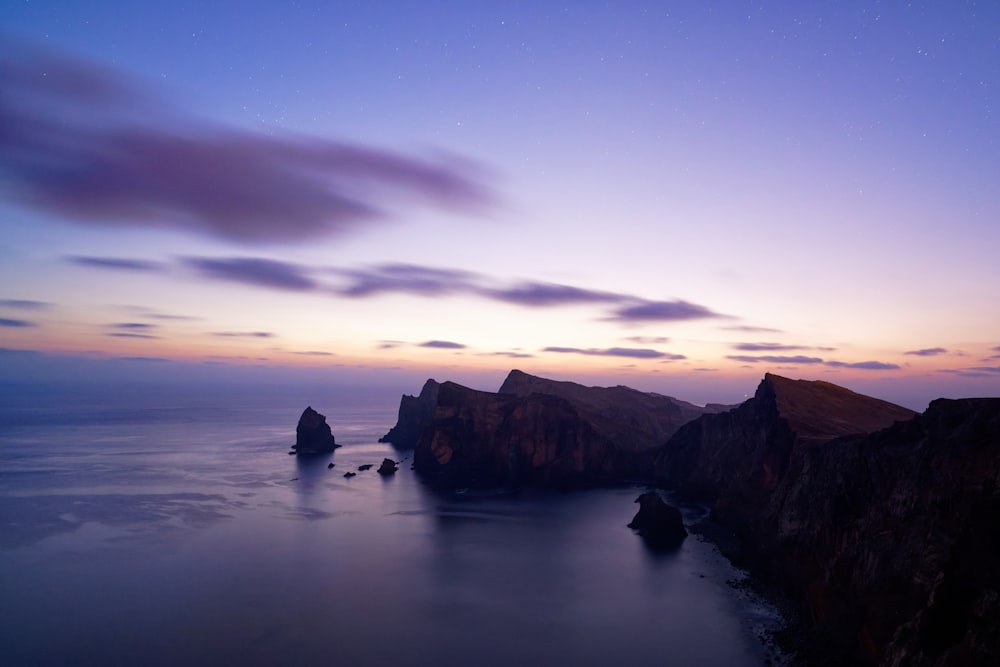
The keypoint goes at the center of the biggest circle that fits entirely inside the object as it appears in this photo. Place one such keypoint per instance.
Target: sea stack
(659, 524)
(313, 434)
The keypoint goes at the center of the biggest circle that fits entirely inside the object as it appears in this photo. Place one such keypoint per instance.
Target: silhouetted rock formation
(538, 431)
(636, 420)
(313, 434)
(889, 538)
(415, 413)
(388, 467)
(659, 524)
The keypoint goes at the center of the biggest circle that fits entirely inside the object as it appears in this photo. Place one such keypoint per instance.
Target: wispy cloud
(129, 334)
(255, 272)
(629, 352)
(15, 324)
(243, 334)
(132, 325)
(800, 359)
(404, 279)
(550, 294)
(751, 329)
(927, 352)
(442, 344)
(116, 263)
(775, 359)
(24, 304)
(663, 311)
(510, 355)
(315, 353)
(648, 340)
(767, 347)
(864, 365)
(81, 140)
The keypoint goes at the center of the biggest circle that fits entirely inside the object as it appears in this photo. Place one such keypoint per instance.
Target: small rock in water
(388, 467)
(366, 466)
(330, 466)
(349, 475)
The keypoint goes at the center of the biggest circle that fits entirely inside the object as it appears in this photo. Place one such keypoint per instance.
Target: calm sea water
(169, 526)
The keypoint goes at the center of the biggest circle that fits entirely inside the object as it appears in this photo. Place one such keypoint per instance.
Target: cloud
(315, 353)
(986, 369)
(767, 347)
(405, 279)
(927, 352)
(82, 141)
(24, 304)
(771, 359)
(443, 344)
(550, 294)
(662, 311)
(649, 340)
(243, 334)
(15, 324)
(629, 352)
(255, 271)
(116, 263)
(864, 365)
(749, 329)
(127, 334)
(132, 325)
(511, 355)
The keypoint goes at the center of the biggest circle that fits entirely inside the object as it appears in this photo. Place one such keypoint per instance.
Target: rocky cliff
(636, 420)
(482, 439)
(415, 413)
(539, 431)
(888, 538)
(313, 434)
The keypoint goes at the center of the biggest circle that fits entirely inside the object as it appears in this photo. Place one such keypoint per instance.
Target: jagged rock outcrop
(482, 439)
(313, 434)
(415, 413)
(739, 457)
(892, 540)
(388, 467)
(888, 537)
(659, 524)
(636, 420)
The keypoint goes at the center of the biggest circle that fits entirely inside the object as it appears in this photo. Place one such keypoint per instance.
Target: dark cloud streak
(80, 140)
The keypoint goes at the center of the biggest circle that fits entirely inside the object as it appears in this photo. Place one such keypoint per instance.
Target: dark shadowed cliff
(636, 420)
(538, 431)
(415, 414)
(481, 439)
(888, 538)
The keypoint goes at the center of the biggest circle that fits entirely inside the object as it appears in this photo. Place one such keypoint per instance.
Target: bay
(167, 525)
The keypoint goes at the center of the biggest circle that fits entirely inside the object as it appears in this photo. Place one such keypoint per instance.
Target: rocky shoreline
(881, 527)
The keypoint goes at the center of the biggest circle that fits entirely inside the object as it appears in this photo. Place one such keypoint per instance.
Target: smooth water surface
(171, 527)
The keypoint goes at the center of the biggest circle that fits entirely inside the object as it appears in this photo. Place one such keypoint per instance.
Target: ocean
(167, 525)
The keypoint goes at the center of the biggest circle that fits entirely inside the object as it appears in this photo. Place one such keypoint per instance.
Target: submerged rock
(366, 466)
(313, 434)
(349, 475)
(659, 524)
(388, 467)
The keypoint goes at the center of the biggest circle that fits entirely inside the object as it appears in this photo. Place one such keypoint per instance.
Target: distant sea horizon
(167, 524)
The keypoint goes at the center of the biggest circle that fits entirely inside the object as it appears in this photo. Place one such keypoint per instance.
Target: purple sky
(675, 196)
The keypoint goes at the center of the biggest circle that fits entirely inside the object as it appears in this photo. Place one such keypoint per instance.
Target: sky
(678, 196)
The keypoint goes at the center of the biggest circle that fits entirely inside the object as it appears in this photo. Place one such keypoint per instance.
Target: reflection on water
(188, 539)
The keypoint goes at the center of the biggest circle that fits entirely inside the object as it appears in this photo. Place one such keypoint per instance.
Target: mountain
(636, 420)
(415, 413)
(539, 431)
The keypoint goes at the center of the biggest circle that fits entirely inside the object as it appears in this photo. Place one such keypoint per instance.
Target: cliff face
(635, 420)
(893, 539)
(740, 457)
(415, 413)
(481, 439)
(886, 528)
